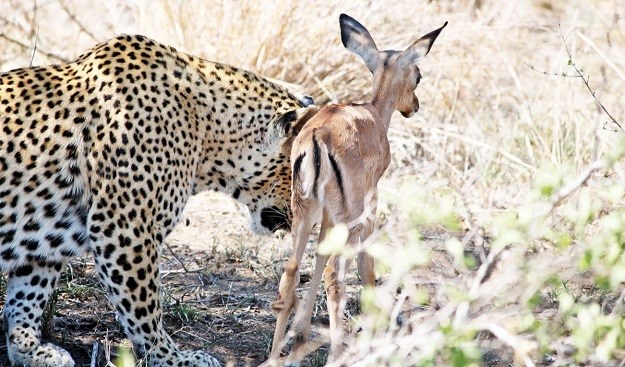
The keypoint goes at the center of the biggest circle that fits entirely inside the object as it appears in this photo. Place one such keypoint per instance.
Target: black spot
(62, 224)
(132, 284)
(49, 210)
(80, 238)
(140, 272)
(30, 244)
(55, 240)
(108, 250)
(126, 304)
(35, 280)
(31, 226)
(8, 254)
(23, 271)
(116, 277)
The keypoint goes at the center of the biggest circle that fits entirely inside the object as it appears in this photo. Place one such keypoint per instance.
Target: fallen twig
(94, 354)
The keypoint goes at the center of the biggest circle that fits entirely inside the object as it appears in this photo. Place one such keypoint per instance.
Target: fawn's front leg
(287, 299)
(302, 321)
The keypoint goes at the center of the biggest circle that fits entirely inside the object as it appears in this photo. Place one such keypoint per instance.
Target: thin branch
(556, 199)
(184, 270)
(27, 47)
(565, 75)
(585, 80)
(521, 346)
(34, 47)
(33, 21)
(579, 74)
(578, 182)
(176, 257)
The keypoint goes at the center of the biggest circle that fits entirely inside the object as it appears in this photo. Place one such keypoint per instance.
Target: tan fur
(355, 137)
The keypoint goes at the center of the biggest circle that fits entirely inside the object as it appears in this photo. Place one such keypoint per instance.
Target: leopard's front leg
(28, 292)
(126, 256)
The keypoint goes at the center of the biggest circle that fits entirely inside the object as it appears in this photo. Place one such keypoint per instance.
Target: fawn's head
(395, 73)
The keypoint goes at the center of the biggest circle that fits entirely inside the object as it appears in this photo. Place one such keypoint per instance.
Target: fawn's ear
(422, 46)
(357, 39)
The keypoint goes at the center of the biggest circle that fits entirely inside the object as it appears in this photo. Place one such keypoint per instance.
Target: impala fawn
(337, 160)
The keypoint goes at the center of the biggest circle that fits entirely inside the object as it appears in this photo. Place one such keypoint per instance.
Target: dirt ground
(219, 281)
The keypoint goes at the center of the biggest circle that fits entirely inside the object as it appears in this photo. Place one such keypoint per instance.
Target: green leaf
(586, 260)
(534, 300)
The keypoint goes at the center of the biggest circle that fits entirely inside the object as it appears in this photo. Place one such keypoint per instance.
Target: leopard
(100, 155)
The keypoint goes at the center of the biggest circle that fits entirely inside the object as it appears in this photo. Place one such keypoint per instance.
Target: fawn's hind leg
(365, 262)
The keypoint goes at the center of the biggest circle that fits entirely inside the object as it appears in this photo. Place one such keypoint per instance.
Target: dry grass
(492, 128)
(487, 118)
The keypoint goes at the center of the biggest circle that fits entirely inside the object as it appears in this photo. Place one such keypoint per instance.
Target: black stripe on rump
(339, 177)
(297, 166)
(316, 162)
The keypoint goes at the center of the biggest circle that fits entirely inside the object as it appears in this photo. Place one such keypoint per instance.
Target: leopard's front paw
(197, 359)
(25, 349)
(184, 359)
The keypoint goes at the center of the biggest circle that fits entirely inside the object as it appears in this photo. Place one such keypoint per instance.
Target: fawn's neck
(384, 99)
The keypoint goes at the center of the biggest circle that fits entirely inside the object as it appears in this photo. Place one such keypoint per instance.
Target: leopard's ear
(302, 116)
(285, 126)
(284, 122)
(291, 122)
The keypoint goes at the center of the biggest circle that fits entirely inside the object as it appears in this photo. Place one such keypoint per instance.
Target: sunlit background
(518, 99)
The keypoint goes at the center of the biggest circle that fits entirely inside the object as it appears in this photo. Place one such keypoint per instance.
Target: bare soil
(219, 280)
